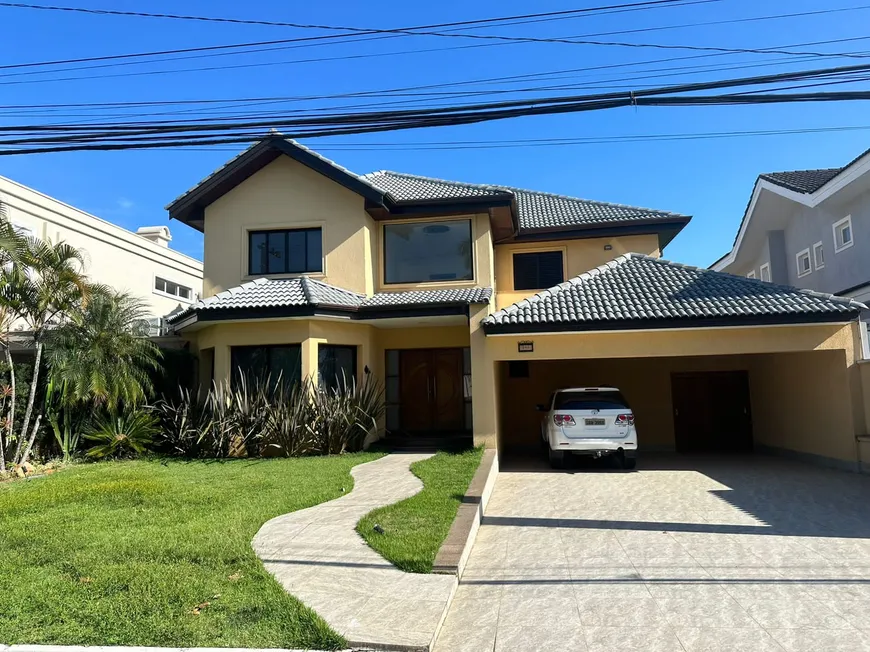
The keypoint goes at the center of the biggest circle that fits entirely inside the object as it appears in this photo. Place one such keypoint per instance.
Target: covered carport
(708, 362)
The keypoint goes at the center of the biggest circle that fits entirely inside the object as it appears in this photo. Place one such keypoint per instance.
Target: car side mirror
(540, 407)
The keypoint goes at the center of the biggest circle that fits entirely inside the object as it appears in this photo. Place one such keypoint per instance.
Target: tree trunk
(32, 439)
(30, 401)
(10, 418)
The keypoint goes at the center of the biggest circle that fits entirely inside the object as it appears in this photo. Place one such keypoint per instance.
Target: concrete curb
(136, 648)
(454, 552)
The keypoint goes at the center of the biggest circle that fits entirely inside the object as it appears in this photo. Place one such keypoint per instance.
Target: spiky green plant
(122, 435)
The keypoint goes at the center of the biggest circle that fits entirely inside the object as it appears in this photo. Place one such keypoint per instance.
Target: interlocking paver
(317, 556)
(687, 554)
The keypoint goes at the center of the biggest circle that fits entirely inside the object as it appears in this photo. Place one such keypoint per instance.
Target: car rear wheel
(629, 463)
(557, 459)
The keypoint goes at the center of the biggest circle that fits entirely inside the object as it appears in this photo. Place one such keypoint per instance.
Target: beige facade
(114, 256)
(808, 393)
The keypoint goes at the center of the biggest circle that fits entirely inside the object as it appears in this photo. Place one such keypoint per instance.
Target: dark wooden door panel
(447, 389)
(711, 412)
(416, 390)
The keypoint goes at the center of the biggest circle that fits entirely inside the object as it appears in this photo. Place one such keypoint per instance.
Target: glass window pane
(392, 362)
(428, 251)
(336, 365)
(285, 364)
(160, 284)
(277, 252)
(296, 251)
(315, 251)
(184, 292)
(258, 254)
(469, 420)
(466, 360)
(393, 417)
(392, 390)
(250, 361)
(847, 234)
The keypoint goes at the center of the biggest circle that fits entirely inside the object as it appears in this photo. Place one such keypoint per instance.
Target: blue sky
(708, 178)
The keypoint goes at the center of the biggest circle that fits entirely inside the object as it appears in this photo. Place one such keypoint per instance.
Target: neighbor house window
(765, 272)
(819, 255)
(174, 289)
(259, 363)
(751, 274)
(336, 365)
(538, 270)
(843, 234)
(288, 251)
(421, 252)
(804, 266)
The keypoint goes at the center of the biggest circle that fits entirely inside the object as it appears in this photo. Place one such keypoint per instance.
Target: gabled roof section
(536, 210)
(189, 207)
(803, 181)
(303, 296)
(636, 291)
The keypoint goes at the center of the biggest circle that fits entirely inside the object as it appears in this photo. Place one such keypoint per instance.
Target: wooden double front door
(432, 398)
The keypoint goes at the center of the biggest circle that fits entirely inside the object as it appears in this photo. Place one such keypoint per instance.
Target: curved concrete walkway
(319, 558)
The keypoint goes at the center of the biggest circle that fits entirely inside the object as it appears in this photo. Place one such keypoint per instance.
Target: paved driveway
(721, 554)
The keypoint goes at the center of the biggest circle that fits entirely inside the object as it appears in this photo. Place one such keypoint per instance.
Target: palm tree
(100, 355)
(45, 282)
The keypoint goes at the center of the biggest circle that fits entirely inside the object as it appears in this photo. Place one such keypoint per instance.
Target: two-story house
(140, 263)
(472, 302)
(809, 229)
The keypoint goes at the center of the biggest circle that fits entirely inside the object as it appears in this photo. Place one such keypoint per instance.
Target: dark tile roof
(304, 292)
(803, 181)
(639, 291)
(535, 210)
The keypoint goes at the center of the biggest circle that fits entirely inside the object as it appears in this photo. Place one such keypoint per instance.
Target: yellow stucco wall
(286, 193)
(578, 256)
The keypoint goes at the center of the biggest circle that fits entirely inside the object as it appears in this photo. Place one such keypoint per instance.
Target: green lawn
(157, 553)
(415, 528)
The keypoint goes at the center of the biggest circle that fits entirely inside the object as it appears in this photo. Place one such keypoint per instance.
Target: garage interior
(773, 402)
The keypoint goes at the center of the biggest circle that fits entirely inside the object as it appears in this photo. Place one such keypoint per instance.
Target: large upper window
(420, 252)
(258, 363)
(538, 270)
(288, 251)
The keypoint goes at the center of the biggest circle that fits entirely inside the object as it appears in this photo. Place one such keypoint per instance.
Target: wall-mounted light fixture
(608, 247)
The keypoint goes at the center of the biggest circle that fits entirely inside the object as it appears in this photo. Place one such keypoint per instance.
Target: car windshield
(590, 401)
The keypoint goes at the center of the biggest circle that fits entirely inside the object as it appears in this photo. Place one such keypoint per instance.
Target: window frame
(837, 227)
(536, 252)
(761, 270)
(751, 274)
(251, 273)
(169, 295)
(817, 248)
(382, 272)
(797, 258)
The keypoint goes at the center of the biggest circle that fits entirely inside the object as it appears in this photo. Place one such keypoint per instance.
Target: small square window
(843, 234)
(804, 266)
(765, 272)
(819, 255)
(751, 274)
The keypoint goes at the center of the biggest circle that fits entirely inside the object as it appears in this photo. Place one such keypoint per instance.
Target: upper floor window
(168, 287)
(804, 266)
(421, 252)
(285, 251)
(765, 272)
(751, 274)
(819, 255)
(538, 270)
(843, 234)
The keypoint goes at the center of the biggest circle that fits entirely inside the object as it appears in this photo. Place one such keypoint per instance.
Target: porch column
(484, 387)
(310, 357)
(222, 370)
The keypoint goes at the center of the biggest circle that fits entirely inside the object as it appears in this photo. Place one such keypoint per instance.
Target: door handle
(435, 387)
(428, 388)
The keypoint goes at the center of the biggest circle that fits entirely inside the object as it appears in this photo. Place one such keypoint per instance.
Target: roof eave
(664, 324)
(666, 228)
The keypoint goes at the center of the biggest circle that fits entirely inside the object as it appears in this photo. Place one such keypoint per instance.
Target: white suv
(593, 421)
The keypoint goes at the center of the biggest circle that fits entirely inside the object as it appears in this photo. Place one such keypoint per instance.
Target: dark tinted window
(285, 251)
(336, 364)
(257, 363)
(590, 401)
(417, 252)
(538, 270)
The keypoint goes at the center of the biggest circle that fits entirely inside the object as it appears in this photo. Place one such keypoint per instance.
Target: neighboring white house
(140, 263)
(809, 229)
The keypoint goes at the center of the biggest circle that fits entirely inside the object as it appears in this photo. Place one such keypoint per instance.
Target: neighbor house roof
(637, 291)
(534, 214)
(303, 296)
(535, 210)
(804, 181)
